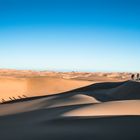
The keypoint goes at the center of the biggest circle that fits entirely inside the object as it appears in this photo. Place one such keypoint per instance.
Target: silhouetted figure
(138, 76)
(19, 97)
(132, 77)
(10, 98)
(14, 98)
(3, 100)
(24, 96)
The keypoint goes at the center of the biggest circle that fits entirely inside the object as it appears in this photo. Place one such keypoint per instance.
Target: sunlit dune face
(115, 108)
(14, 84)
(12, 88)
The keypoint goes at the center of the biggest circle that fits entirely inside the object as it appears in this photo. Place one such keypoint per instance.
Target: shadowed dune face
(128, 90)
(104, 92)
(42, 124)
(46, 103)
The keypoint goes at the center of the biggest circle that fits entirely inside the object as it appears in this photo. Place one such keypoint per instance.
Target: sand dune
(111, 91)
(115, 108)
(14, 87)
(128, 90)
(108, 110)
(46, 102)
(16, 83)
(47, 85)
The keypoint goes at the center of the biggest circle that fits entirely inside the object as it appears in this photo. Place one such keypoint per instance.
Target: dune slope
(14, 88)
(91, 112)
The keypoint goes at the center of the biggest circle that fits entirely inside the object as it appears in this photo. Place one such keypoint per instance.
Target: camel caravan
(13, 99)
(135, 77)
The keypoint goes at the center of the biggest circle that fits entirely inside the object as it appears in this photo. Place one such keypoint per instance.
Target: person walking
(132, 77)
(138, 76)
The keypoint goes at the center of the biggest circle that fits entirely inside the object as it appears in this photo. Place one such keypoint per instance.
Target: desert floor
(68, 108)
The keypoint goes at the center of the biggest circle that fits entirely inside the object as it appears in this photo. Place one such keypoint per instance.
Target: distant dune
(93, 76)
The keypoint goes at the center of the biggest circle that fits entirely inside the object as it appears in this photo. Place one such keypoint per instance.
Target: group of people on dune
(135, 77)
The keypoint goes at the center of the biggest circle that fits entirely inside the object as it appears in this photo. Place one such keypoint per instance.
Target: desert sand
(15, 84)
(15, 88)
(69, 108)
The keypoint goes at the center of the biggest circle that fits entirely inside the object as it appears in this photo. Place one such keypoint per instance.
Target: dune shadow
(97, 128)
(36, 126)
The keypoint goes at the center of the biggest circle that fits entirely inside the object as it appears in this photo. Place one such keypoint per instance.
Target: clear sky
(73, 35)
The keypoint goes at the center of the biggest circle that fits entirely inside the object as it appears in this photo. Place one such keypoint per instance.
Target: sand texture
(82, 111)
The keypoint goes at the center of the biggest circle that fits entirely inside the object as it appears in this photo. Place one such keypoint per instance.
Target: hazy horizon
(72, 35)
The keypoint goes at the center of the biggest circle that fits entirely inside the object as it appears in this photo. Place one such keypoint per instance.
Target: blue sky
(80, 35)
